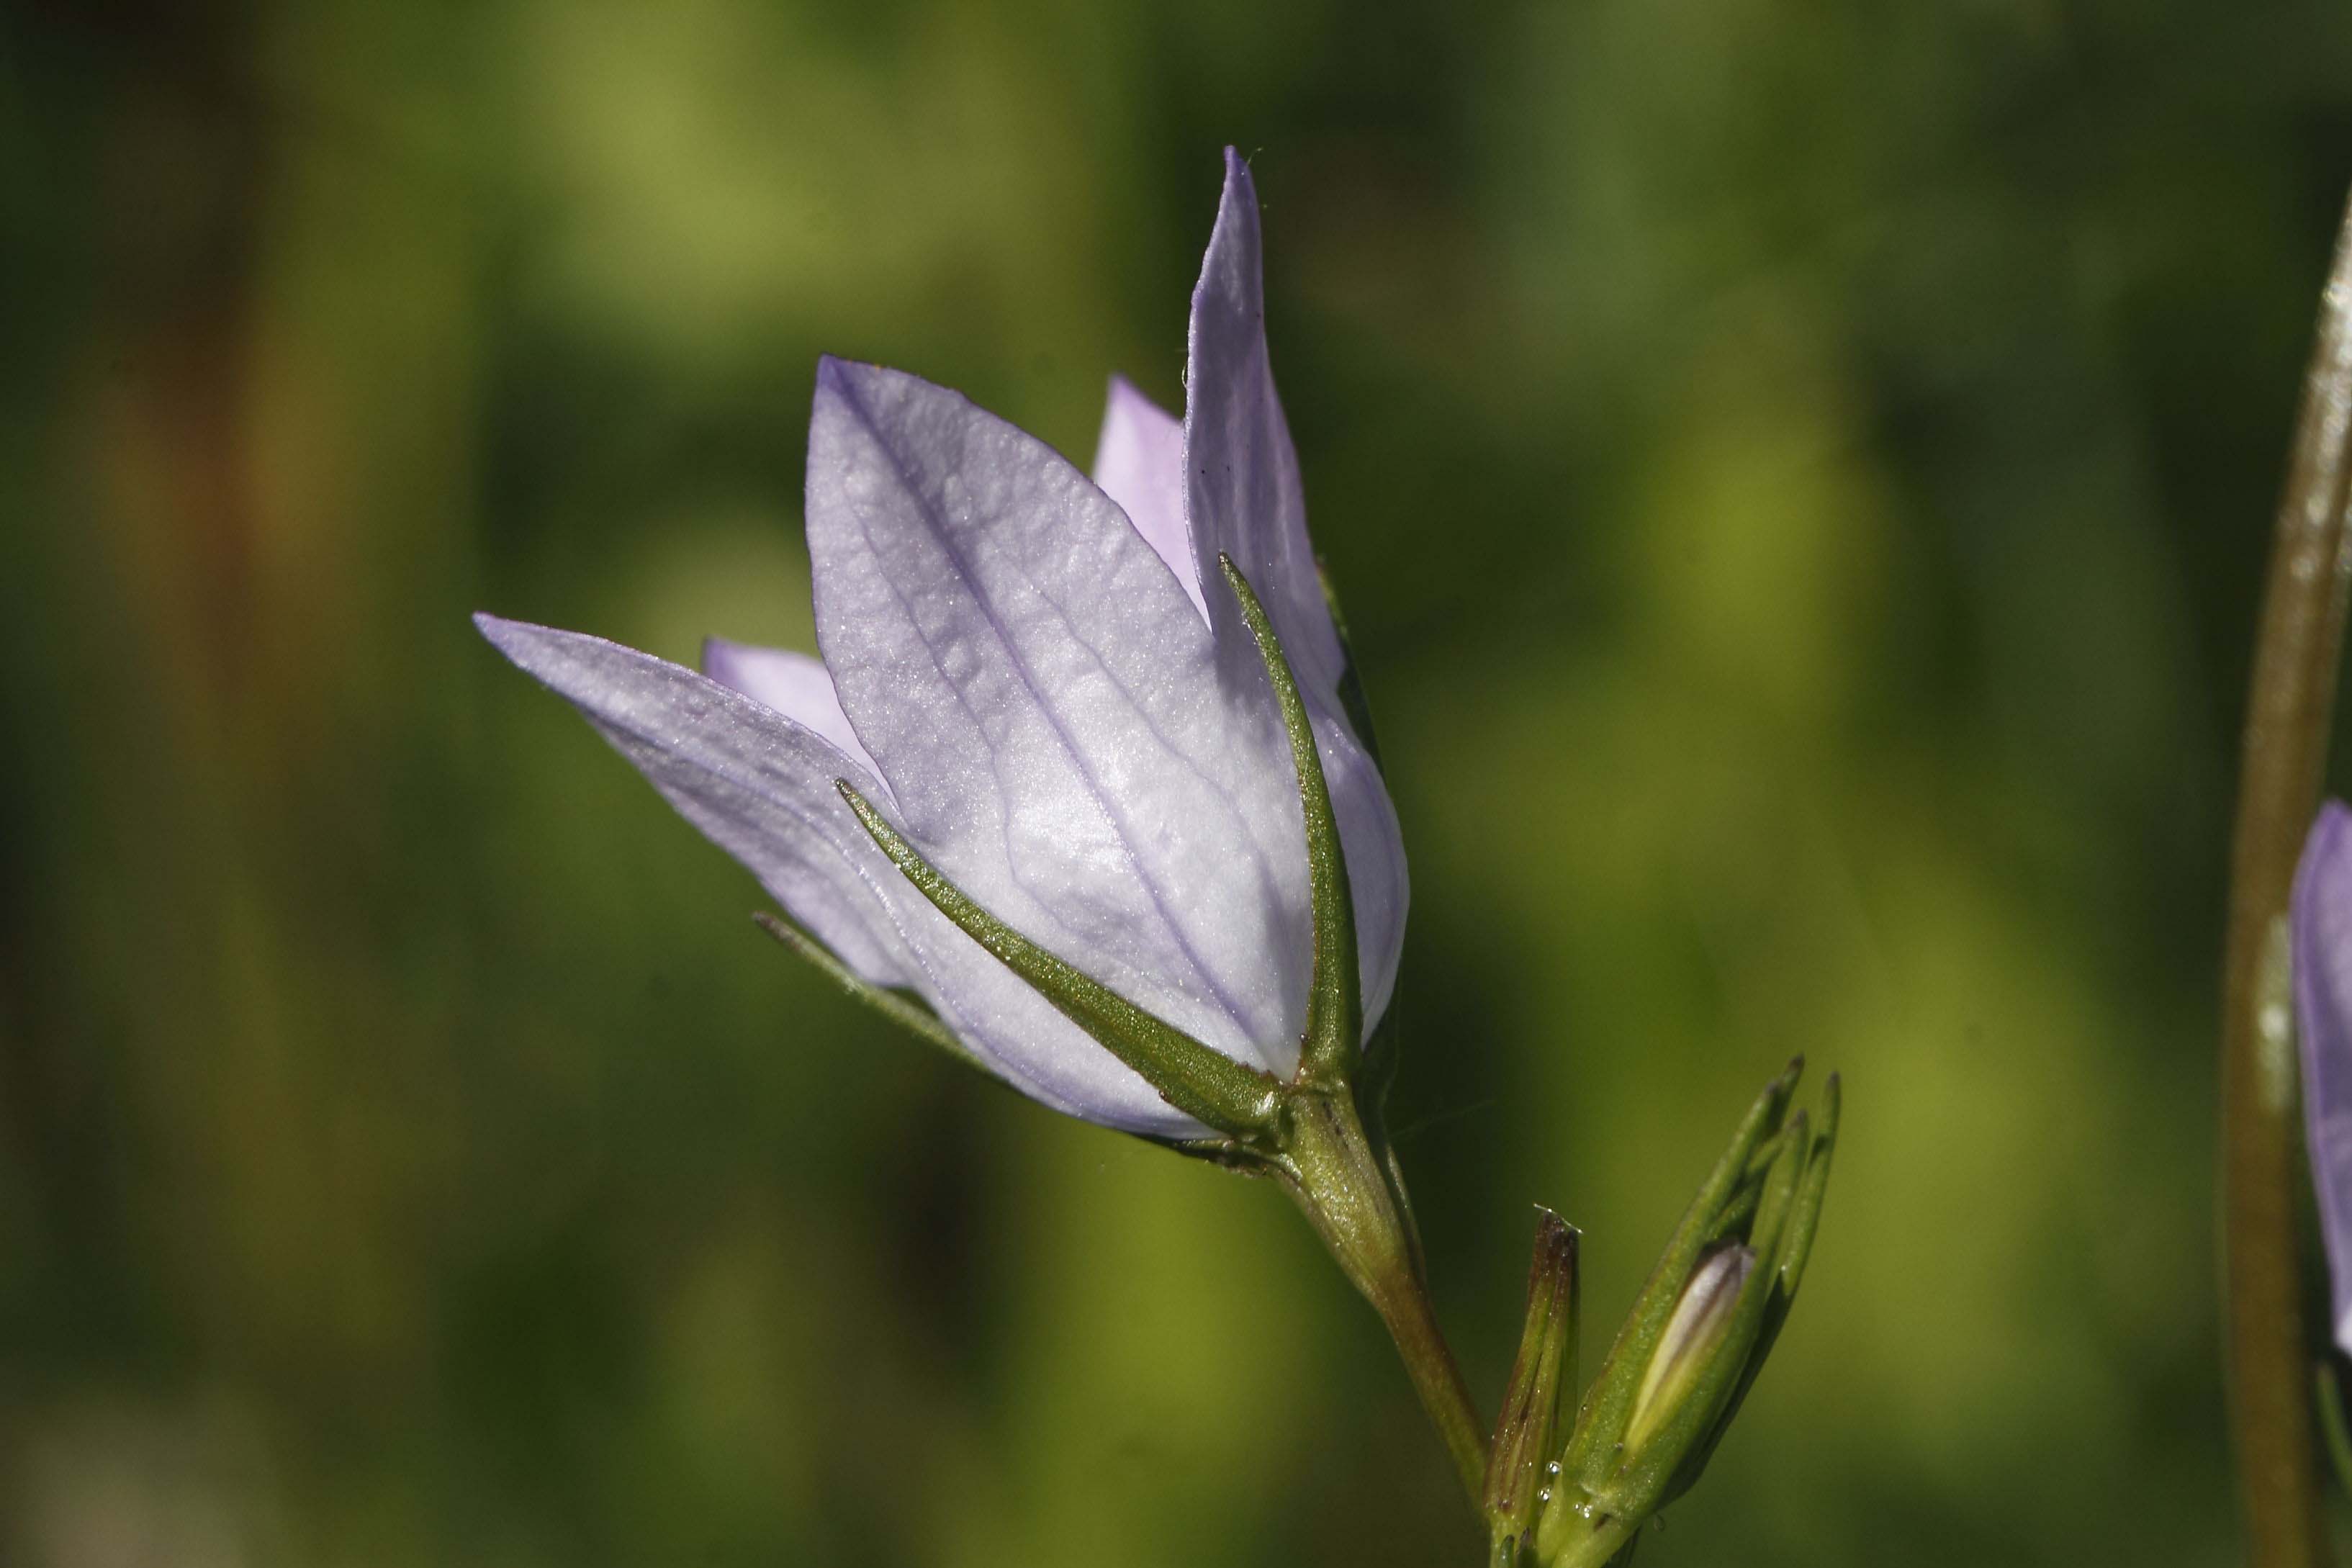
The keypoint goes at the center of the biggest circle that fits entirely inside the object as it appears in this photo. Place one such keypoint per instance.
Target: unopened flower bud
(1697, 1334)
(1702, 1318)
(1545, 1369)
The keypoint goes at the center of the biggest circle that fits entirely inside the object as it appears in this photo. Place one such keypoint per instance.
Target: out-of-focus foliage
(1798, 475)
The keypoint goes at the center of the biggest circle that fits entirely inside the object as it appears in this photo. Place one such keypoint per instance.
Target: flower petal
(761, 786)
(2323, 994)
(1244, 500)
(1140, 464)
(797, 685)
(1044, 701)
(1241, 472)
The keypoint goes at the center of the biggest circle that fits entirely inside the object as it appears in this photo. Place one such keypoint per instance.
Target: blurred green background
(1803, 468)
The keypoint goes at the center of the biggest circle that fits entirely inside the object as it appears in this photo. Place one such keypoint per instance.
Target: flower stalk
(1330, 1171)
(2293, 689)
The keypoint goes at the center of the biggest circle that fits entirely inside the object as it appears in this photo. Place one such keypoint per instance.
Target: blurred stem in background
(2287, 716)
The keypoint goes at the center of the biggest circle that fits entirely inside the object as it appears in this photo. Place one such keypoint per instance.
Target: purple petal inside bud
(1698, 1324)
(2323, 1004)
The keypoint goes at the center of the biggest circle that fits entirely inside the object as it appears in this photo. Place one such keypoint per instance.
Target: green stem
(1429, 1361)
(1331, 1170)
(2294, 686)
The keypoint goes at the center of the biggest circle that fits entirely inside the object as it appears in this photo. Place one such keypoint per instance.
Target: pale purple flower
(1044, 684)
(2322, 921)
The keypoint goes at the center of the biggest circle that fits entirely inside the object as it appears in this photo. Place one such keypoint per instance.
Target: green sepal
(1335, 997)
(896, 1005)
(1205, 1084)
(1376, 1071)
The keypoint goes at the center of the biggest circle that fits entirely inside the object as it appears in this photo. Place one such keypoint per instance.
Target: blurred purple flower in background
(1046, 685)
(2323, 1004)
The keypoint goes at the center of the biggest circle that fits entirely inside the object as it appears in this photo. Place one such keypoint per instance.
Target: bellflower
(1046, 689)
(2322, 937)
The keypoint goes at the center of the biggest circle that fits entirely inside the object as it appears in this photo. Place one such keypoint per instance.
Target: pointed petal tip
(833, 378)
(510, 637)
(538, 650)
(839, 377)
(1231, 268)
(1237, 210)
(864, 390)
